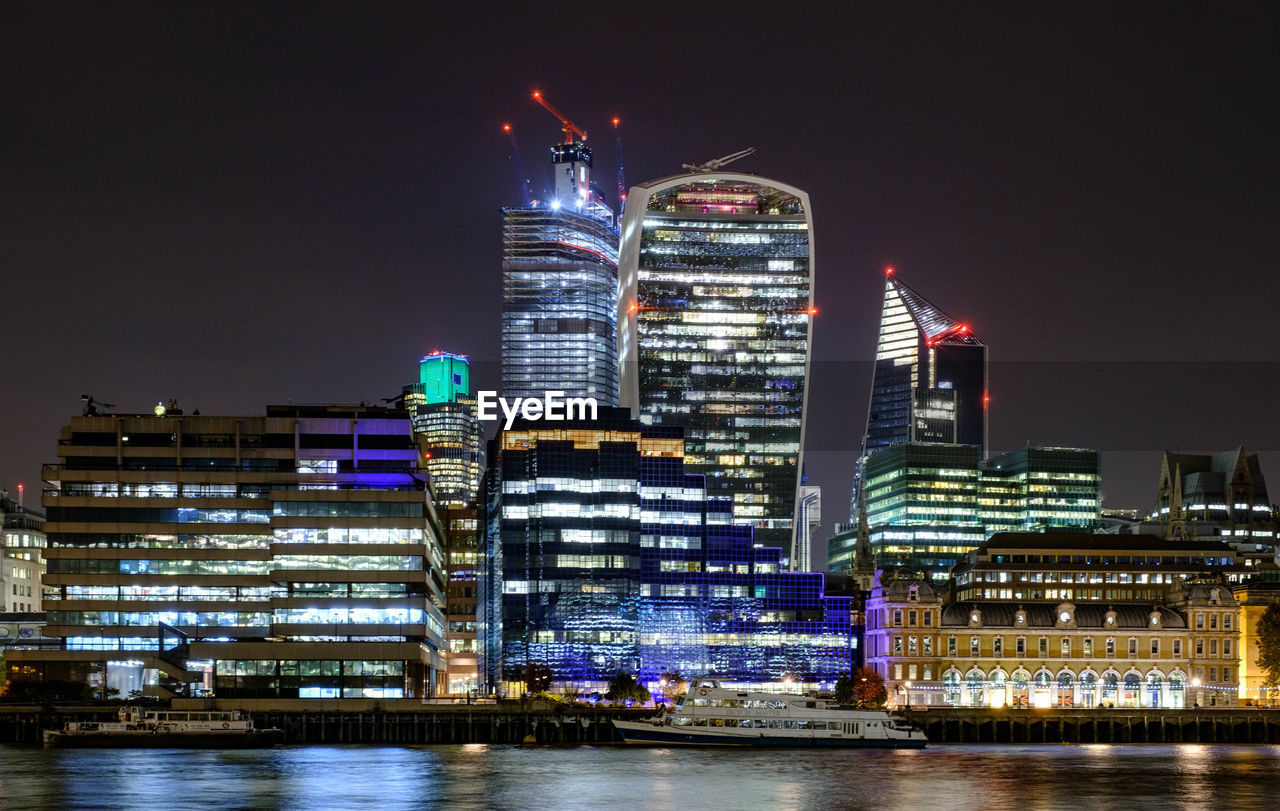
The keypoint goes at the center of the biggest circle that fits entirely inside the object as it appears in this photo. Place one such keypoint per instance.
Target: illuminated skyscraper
(930, 380)
(560, 287)
(446, 428)
(715, 319)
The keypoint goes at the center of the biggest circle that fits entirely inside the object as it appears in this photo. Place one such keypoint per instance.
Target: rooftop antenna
(718, 163)
(622, 180)
(91, 405)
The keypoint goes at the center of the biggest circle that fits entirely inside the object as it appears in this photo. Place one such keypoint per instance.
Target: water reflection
(480, 776)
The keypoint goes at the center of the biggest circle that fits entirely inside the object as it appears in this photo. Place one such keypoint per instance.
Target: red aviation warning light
(888, 270)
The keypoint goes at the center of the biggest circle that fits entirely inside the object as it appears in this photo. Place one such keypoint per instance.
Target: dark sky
(241, 203)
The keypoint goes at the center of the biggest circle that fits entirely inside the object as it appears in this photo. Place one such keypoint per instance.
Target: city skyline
(304, 222)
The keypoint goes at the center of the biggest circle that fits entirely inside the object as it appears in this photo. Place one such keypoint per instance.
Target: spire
(864, 567)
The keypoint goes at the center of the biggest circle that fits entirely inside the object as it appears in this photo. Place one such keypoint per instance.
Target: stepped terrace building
(1179, 651)
(291, 555)
(604, 555)
(715, 321)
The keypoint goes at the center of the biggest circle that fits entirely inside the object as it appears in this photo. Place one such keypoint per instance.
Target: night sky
(236, 204)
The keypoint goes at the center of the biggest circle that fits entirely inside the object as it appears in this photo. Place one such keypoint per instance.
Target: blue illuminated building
(604, 555)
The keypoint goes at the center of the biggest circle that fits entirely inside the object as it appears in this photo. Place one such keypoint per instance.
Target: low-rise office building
(1035, 566)
(291, 555)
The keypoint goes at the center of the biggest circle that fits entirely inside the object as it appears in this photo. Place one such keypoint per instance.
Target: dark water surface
(482, 776)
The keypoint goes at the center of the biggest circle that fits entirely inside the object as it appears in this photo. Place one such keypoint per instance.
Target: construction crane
(622, 179)
(568, 127)
(718, 163)
(525, 194)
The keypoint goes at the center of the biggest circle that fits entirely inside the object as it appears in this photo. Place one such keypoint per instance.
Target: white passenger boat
(169, 729)
(709, 715)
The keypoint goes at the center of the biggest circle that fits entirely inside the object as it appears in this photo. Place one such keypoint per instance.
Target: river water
(482, 776)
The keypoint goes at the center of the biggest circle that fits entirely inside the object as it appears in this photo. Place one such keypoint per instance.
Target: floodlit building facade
(291, 555)
(1179, 651)
(715, 319)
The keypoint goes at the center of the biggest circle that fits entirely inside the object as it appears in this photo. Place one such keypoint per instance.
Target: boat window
(682, 720)
(836, 725)
(177, 716)
(775, 723)
(679, 701)
(699, 722)
(792, 724)
(759, 723)
(745, 722)
(804, 724)
(732, 702)
(717, 722)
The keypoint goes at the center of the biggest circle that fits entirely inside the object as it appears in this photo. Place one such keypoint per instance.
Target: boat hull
(647, 734)
(258, 739)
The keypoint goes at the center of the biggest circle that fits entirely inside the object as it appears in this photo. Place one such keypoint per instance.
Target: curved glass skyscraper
(715, 319)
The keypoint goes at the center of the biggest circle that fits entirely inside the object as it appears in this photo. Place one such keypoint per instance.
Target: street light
(908, 694)
(1196, 684)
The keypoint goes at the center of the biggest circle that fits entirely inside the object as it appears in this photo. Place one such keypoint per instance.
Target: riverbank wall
(423, 724)
(1213, 725)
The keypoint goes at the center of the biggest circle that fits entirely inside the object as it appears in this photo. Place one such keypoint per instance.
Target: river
(1092, 777)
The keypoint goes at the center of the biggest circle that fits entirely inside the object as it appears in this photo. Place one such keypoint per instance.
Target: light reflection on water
(478, 776)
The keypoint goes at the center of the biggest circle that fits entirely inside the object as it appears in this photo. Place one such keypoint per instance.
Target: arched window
(1065, 693)
(1155, 684)
(951, 688)
(1021, 691)
(1177, 694)
(1132, 690)
(1110, 688)
(1088, 688)
(975, 679)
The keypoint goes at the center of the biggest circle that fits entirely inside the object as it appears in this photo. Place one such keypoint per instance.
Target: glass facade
(291, 580)
(1042, 488)
(611, 557)
(930, 380)
(446, 427)
(716, 312)
(928, 504)
(559, 304)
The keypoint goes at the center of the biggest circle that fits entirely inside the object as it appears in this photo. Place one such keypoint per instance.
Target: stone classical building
(1254, 596)
(1180, 651)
